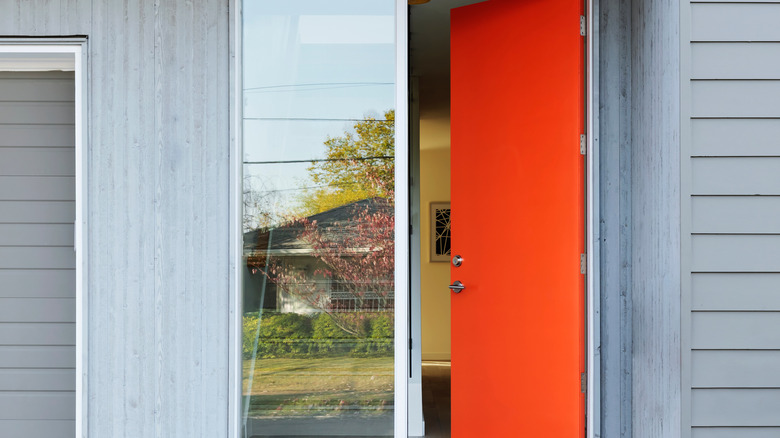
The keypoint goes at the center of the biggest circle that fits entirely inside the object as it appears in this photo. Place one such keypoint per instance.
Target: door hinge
(583, 144)
(583, 382)
(410, 344)
(583, 264)
(583, 25)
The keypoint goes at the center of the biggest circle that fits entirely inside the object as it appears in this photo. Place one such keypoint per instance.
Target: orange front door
(518, 219)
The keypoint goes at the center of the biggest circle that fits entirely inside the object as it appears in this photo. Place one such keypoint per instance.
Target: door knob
(457, 286)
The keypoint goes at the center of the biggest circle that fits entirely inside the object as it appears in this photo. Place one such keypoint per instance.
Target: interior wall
(434, 276)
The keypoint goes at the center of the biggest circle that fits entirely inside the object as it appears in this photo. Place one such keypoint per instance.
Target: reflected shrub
(290, 335)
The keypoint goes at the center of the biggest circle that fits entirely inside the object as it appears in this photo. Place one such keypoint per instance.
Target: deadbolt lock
(457, 261)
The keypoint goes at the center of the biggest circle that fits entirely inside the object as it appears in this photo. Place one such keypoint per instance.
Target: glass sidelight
(319, 86)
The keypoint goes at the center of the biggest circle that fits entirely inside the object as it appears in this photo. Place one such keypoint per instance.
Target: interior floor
(436, 398)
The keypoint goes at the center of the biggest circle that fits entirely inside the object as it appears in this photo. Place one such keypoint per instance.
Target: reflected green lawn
(319, 386)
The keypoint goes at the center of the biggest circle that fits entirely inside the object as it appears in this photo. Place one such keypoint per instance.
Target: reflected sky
(308, 76)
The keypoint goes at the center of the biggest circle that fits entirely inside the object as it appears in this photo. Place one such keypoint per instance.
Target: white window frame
(68, 54)
(401, 221)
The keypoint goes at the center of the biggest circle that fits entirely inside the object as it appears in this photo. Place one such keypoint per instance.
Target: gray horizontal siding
(733, 237)
(37, 406)
(735, 61)
(735, 330)
(31, 428)
(735, 137)
(736, 176)
(37, 135)
(735, 214)
(37, 258)
(36, 234)
(37, 113)
(47, 212)
(736, 369)
(26, 161)
(735, 407)
(37, 283)
(37, 356)
(37, 309)
(739, 98)
(735, 22)
(37, 188)
(735, 291)
(12, 333)
(37, 301)
(736, 432)
(37, 380)
(34, 87)
(735, 253)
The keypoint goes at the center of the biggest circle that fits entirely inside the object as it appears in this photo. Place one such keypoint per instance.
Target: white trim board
(66, 55)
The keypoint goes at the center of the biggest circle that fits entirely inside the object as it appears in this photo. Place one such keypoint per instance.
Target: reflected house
(340, 260)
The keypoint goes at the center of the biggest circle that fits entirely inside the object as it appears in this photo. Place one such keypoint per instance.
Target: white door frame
(402, 237)
(68, 54)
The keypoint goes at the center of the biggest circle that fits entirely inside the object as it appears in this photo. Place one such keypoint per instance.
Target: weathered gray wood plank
(122, 358)
(735, 330)
(49, 356)
(735, 22)
(188, 148)
(39, 17)
(737, 369)
(735, 137)
(735, 291)
(735, 407)
(655, 218)
(615, 202)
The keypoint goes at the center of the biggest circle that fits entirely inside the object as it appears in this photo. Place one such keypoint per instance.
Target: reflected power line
(314, 119)
(321, 160)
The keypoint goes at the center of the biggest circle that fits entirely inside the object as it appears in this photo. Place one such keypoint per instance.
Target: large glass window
(318, 223)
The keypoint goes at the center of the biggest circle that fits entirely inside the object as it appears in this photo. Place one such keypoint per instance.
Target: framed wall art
(440, 232)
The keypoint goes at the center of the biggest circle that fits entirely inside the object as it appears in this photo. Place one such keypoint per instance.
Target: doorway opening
(42, 246)
(429, 60)
(517, 332)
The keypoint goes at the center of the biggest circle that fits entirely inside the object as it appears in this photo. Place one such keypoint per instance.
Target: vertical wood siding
(731, 267)
(639, 63)
(158, 151)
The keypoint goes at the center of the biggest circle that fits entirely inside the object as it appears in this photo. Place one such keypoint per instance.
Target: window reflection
(319, 146)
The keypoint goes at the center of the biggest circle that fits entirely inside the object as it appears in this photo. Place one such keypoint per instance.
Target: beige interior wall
(434, 276)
